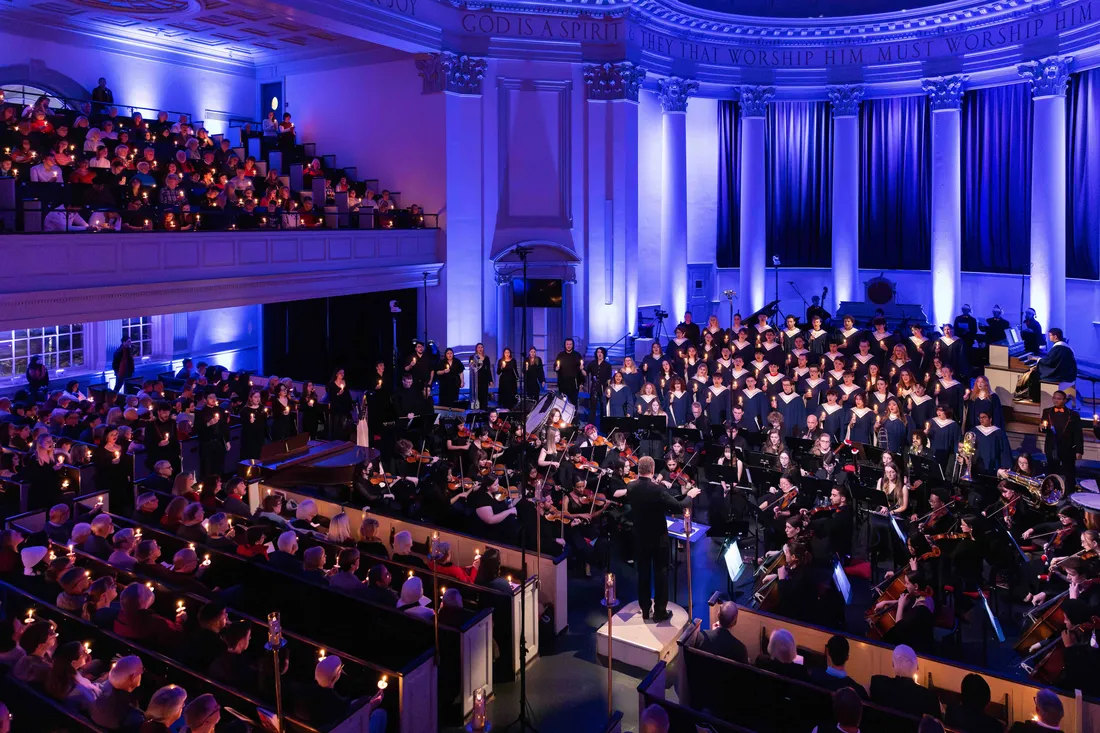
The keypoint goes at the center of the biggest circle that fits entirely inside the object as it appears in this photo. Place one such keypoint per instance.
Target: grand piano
(301, 461)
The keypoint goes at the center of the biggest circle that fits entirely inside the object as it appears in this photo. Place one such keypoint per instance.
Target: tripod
(523, 721)
(659, 330)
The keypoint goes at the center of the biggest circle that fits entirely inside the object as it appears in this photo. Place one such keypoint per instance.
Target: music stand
(653, 424)
(799, 446)
(624, 425)
(808, 485)
(753, 438)
(926, 468)
(690, 435)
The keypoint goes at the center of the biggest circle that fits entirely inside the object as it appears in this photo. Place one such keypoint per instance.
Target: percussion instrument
(540, 413)
(1090, 505)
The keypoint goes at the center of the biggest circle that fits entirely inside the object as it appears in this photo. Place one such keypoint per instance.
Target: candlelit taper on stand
(610, 602)
(275, 644)
(687, 545)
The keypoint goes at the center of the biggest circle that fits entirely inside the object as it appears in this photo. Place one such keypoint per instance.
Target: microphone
(790, 282)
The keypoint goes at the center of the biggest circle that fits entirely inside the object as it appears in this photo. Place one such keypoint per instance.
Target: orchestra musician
(834, 523)
(1058, 365)
(914, 613)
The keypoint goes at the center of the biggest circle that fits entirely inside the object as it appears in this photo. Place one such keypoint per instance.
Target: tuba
(1047, 489)
(967, 448)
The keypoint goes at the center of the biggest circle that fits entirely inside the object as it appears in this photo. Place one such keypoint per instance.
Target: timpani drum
(1090, 505)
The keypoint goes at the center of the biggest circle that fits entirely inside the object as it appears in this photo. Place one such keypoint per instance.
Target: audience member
(164, 709)
(1048, 715)
(720, 640)
(834, 676)
(847, 712)
(326, 706)
(901, 691)
(116, 708)
(378, 586)
(653, 719)
(38, 641)
(285, 558)
(781, 655)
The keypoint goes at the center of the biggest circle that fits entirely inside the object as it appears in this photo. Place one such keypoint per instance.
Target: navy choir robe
(620, 401)
(944, 437)
(897, 434)
(993, 451)
(756, 404)
(793, 409)
(921, 410)
(990, 405)
(1059, 364)
(861, 424)
(718, 408)
(831, 418)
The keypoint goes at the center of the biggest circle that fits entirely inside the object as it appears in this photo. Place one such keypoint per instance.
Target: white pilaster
(459, 79)
(1048, 189)
(845, 204)
(946, 97)
(674, 95)
(753, 231)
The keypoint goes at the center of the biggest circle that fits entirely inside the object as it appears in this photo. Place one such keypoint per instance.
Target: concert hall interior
(550, 365)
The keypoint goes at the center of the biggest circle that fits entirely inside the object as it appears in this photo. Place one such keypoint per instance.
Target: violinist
(677, 451)
(733, 438)
(781, 503)
(1069, 572)
(619, 451)
(1081, 659)
(582, 530)
(673, 476)
(458, 445)
(1061, 537)
(835, 523)
(1011, 509)
(550, 454)
(939, 520)
(966, 558)
(493, 517)
(589, 437)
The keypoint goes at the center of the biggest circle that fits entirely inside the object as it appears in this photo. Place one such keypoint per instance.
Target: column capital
(451, 72)
(613, 80)
(946, 92)
(674, 93)
(754, 100)
(503, 278)
(845, 99)
(1048, 76)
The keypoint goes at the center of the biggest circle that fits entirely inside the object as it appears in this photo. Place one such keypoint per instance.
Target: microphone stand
(800, 295)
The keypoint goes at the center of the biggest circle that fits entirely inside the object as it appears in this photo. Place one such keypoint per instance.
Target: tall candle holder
(479, 722)
(275, 644)
(610, 602)
(687, 543)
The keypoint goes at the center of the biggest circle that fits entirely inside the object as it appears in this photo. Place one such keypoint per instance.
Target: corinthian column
(754, 228)
(458, 78)
(1048, 79)
(946, 95)
(845, 209)
(674, 95)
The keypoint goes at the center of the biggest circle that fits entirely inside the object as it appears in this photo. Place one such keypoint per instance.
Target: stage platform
(641, 644)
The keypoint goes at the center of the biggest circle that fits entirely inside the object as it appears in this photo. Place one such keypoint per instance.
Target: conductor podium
(638, 643)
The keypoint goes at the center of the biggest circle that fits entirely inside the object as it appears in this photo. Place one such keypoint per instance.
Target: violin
(600, 441)
(1060, 536)
(629, 457)
(463, 484)
(949, 536)
(585, 464)
(822, 510)
(787, 500)
(555, 514)
(463, 431)
(383, 479)
(419, 457)
(1041, 644)
(488, 444)
(881, 621)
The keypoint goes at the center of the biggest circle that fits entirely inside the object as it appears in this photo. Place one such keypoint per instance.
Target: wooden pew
(160, 669)
(410, 706)
(508, 638)
(25, 703)
(553, 571)
(651, 691)
(465, 653)
(871, 658)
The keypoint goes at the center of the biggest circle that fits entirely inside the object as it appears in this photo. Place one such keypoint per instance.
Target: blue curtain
(996, 160)
(798, 155)
(895, 174)
(1083, 172)
(729, 184)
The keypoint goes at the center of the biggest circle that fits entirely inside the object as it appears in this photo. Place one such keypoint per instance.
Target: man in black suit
(649, 503)
(1063, 439)
(690, 329)
(1048, 711)
(720, 640)
(285, 558)
(901, 692)
(212, 429)
(834, 676)
(569, 368)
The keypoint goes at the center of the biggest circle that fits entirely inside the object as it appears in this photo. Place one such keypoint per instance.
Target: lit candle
(149, 586)
(384, 682)
(65, 483)
(687, 521)
(88, 648)
(410, 573)
(477, 723)
(477, 554)
(30, 616)
(70, 551)
(117, 454)
(61, 459)
(320, 654)
(180, 608)
(206, 560)
(609, 589)
(53, 556)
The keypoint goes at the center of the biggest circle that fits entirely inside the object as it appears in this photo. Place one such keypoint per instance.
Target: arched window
(25, 94)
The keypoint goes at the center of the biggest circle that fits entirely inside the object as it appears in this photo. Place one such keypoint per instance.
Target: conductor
(649, 503)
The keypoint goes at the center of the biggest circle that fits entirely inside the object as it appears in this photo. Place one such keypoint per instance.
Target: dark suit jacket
(970, 721)
(1028, 726)
(791, 670)
(902, 693)
(821, 678)
(285, 561)
(650, 502)
(722, 643)
(1064, 444)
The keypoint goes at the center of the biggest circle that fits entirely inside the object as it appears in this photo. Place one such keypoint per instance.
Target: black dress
(508, 383)
(282, 421)
(340, 405)
(534, 376)
(312, 414)
(253, 431)
(448, 377)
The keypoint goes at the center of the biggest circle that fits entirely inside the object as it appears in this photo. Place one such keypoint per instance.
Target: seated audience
(1048, 715)
(66, 684)
(834, 676)
(901, 691)
(164, 709)
(847, 712)
(38, 641)
(413, 601)
(402, 551)
(378, 586)
(284, 558)
(720, 640)
(782, 652)
(325, 706)
(135, 620)
(116, 708)
(232, 666)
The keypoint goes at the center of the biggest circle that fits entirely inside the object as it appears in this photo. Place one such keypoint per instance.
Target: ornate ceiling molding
(451, 72)
(946, 92)
(610, 81)
(1048, 76)
(845, 99)
(674, 92)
